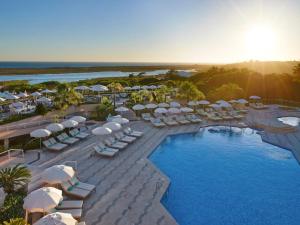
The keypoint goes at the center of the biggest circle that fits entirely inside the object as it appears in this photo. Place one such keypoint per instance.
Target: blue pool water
(229, 179)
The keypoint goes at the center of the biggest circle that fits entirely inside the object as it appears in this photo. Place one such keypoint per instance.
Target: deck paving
(129, 187)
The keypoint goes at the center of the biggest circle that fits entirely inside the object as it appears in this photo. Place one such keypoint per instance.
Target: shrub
(41, 109)
(16, 221)
(104, 109)
(12, 207)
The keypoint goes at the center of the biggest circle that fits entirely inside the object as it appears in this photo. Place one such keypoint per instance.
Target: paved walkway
(129, 187)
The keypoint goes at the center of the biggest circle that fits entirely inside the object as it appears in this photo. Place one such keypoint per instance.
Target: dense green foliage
(104, 109)
(66, 96)
(11, 179)
(12, 208)
(189, 91)
(41, 109)
(226, 92)
(16, 221)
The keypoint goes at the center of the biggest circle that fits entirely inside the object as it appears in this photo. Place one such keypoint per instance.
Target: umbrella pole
(40, 143)
(26, 216)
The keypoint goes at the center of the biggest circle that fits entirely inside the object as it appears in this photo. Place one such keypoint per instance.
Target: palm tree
(189, 91)
(13, 177)
(115, 87)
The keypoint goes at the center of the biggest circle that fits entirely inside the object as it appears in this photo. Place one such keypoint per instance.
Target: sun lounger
(77, 134)
(201, 112)
(70, 204)
(64, 138)
(214, 117)
(182, 120)
(124, 138)
(51, 144)
(73, 191)
(78, 184)
(133, 133)
(113, 143)
(76, 213)
(157, 122)
(103, 146)
(103, 152)
(169, 121)
(146, 116)
(193, 118)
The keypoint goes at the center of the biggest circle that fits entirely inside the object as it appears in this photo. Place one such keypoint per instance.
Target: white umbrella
(151, 106)
(2, 99)
(78, 119)
(81, 88)
(192, 103)
(152, 87)
(47, 91)
(242, 101)
(145, 87)
(138, 107)
(174, 110)
(42, 200)
(55, 127)
(43, 99)
(233, 101)
(225, 104)
(254, 97)
(161, 110)
(36, 94)
(23, 95)
(215, 106)
(70, 123)
(17, 105)
(174, 104)
(57, 218)
(11, 97)
(120, 120)
(136, 88)
(113, 126)
(101, 131)
(163, 105)
(220, 101)
(40, 133)
(57, 174)
(186, 109)
(121, 109)
(99, 88)
(203, 102)
(127, 88)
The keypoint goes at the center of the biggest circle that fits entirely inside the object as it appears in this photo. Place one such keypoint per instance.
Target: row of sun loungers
(163, 121)
(112, 145)
(65, 140)
(258, 105)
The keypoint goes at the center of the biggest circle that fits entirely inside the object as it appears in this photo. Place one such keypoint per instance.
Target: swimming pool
(292, 121)
(229, 178)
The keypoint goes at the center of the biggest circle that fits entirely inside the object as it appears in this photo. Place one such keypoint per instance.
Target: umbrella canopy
(242, 101)
(23, 95)
(81, 88)
(161, 110)
(113, 126)
(2, 99)
(70, 123)
(215, 106)
(254, 97)
(152, 87)
(174, 110)
(57, 174)
(78, 119)
(99, 88)
(186, 109)
(220, 101)
(138, 107)
(233, 101)
(203, 102)
(120, 120)
(136, 88)
(174, 104)
(127, 88)
(47, 91)
(55, 127)
(17, 105)
(57, 218)
(192, 103)
(145, 87)
(42, 200)
(43, 99)
(101, 131)
(121, 109)
(151, 106)
(40, 133)
(11, 97)
(36, 94)
(163, 105)
(225, 104)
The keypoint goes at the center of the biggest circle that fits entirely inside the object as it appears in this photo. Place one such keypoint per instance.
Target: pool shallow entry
(229, 176)
(292, 121)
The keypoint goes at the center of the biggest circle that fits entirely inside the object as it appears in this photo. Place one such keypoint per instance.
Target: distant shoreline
(63, 70)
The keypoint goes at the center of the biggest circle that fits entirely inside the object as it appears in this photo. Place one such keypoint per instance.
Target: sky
(186, 31)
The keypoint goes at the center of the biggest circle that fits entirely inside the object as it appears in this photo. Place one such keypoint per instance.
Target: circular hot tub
(292, 121)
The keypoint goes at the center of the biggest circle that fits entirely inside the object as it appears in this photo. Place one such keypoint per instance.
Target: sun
(260, 42)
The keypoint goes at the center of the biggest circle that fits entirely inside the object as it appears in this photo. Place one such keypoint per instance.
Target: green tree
(11, 178)
(161, 93)
(136, 97)
(41, 109)
(189, 91)
(227, 92)
(104, 109)
(66, 96)
(15, 221)
(115, 87)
